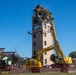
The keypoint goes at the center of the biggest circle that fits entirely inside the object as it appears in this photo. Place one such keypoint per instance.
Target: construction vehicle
(5, 64)
(60, 60)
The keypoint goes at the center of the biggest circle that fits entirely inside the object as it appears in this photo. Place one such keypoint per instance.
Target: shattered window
(37, 27)
(49, 21)
(44, 26)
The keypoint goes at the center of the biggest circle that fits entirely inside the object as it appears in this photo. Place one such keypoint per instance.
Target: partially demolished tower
(41, 34)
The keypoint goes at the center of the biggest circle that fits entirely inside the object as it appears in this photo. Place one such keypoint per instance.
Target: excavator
(60, 60)
(5, 64)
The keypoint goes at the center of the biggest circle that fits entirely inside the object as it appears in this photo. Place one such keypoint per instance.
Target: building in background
(7, 53)
(1, 50)
(1, 53)
(41, 34)
(11, 53)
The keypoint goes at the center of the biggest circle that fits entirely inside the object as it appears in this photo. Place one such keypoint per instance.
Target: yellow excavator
(60, 60)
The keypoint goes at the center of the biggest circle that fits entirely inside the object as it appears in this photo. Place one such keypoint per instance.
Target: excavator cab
(62, 63)
(33, 65)
(55, 59)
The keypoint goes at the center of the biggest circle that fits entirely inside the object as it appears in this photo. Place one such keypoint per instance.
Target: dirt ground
(18, 70)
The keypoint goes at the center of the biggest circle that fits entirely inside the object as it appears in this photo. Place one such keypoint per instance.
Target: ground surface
(40, 74)
(44, 71)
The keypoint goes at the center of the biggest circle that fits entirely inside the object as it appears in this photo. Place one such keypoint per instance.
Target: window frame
(45, 53)
(34, 44)
(45, 61)
(45, 43)
(34, 52)
(44, 34)
(34, 35)
(36, 27)
(44, 26)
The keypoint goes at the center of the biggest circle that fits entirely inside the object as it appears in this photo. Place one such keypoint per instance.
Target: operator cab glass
(32, 62)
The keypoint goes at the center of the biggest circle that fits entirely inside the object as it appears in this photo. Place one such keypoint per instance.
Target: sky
(16, 21)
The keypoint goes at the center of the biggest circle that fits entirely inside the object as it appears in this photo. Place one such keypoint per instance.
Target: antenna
(29, 33)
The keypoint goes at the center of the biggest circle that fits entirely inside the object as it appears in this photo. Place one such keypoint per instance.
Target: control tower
(41, 34)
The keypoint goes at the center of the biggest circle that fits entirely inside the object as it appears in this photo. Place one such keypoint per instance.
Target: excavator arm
(45, 50)
(59, 52)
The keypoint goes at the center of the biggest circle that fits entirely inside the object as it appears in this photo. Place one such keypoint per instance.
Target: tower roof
(40, 8)
(1, 49)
